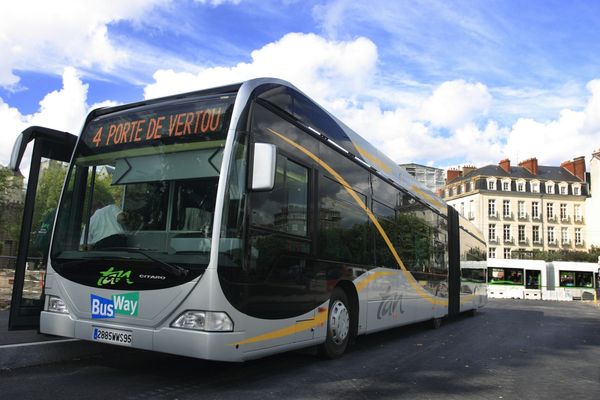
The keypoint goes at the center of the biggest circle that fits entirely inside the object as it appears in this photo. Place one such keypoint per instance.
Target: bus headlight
(55, 304)
(208, 321)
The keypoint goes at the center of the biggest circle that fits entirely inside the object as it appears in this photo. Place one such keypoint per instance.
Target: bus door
(51, 150)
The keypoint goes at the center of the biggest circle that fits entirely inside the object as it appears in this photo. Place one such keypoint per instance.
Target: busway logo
(125, 304)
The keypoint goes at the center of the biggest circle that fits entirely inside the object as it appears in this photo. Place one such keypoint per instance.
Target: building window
(506, 186)
(535, 210)
(551, 239)
(507, 253)
(578, 236)
(492, 208)
(491, 252)
(507, 233)
(462, 209)
(576, 190)
(578, 216)
(563, 212)
(564, 235)
(469, 186)
(550, 211)
(521, 209)
(535, 187)
(521, 186)
(550, 187)
(492, 232)
(535, 234)
(491, 184)
(506, 208)
(563, 189)
(471, 210)
(521, 233)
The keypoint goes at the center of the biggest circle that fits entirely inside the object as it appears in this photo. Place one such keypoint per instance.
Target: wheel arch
(352, 295)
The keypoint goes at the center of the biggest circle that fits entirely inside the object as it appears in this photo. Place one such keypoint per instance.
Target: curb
(30, 354)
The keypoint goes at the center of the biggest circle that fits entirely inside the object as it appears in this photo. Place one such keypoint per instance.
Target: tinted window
(344, 226)
(284, 208)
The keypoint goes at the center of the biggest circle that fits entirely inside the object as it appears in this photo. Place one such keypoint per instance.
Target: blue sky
(440, 83)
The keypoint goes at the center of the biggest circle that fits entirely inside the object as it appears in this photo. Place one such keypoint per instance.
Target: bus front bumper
(220, 346)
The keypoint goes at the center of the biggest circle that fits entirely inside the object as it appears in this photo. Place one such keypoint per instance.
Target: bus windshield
(141, 189)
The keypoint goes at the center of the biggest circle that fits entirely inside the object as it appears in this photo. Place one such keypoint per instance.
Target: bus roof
(360, 148)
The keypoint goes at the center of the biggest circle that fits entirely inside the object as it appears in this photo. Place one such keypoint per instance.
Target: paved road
(512, 349)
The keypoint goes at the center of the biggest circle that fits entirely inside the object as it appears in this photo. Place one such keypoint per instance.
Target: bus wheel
(338, 326)
(436, 323)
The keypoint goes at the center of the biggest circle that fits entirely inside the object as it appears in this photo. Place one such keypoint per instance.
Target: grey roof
(545, 173)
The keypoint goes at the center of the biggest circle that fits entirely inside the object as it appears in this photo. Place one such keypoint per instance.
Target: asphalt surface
(512, 349)
(14, 337)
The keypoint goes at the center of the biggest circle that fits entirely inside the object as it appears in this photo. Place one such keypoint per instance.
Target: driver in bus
(106, 225)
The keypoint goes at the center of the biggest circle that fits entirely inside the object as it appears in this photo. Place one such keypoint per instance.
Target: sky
(441, 83)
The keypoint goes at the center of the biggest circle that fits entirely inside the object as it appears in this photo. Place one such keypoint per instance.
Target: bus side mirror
(263, 166)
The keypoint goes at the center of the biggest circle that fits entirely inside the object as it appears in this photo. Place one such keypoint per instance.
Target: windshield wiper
(173, 269)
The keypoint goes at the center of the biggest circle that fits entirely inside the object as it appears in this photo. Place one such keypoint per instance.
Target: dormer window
(550, 187)
(491, 184)
(506, 185)
(520, 186)
(563, 188)
(576, 189)
(535, 186)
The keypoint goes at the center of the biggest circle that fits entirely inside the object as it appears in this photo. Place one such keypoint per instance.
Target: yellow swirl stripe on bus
(418, 288)
(319, 320)
(363, 283)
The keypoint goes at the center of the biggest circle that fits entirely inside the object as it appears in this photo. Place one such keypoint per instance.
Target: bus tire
(338, 326)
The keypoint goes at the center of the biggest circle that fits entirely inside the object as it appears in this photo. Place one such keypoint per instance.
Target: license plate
(114, 336)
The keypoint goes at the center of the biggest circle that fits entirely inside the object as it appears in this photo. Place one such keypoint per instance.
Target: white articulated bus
(517, 279)
(237, 222)
(574, 280)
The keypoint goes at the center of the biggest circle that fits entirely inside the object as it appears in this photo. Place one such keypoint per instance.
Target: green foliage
(48, 191)
(11, 211)
(560, 255)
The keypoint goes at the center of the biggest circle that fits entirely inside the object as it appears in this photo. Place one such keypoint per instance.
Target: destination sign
(206, 120)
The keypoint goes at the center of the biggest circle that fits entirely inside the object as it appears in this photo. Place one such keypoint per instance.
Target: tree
(11, 208)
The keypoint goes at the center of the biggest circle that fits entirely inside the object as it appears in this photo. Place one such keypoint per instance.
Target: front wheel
(338, 326)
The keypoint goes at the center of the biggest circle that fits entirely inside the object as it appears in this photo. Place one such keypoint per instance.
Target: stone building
(526, 207)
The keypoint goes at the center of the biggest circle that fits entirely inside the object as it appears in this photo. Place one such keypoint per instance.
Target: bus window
(343, 225)
(576, 279)
(505, 276)
(532, 279)
(473, 275)
(284, 208)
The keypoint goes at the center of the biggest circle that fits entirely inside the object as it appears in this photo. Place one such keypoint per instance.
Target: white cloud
(63, 109)
(455, 103)
(324, 69)
(434, 126)
(216, 3)
(39, 35)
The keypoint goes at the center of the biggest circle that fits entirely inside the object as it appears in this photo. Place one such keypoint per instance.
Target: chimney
(468, 169)
(451, 174)
(576, 167)
(530, 165)
(505, 165)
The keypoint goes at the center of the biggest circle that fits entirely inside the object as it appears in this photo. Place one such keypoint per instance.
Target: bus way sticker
(124, 304)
